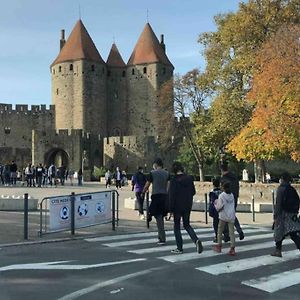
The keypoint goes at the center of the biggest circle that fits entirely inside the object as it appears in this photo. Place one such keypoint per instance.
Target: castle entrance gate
(57, 156)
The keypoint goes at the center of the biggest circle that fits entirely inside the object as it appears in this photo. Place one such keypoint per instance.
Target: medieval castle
(103, 113)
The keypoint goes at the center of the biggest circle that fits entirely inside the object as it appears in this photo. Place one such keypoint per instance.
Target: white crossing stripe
(171, 238)
(275, 282)
(153, 233)
(249, 263)
(192, 245)
(205, 254)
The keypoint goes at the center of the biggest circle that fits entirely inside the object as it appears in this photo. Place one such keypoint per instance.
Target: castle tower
(148, 69)
(79, 84)
(117, 117)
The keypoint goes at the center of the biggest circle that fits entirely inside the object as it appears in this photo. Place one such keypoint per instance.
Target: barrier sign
(90, 209)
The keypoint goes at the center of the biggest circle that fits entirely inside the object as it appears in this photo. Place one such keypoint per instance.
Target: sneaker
(217, 248)
(277, 253)
(226, 239)
(177, 251)
(199, 246)
(161, 243)
(242, 236)
(232, 251)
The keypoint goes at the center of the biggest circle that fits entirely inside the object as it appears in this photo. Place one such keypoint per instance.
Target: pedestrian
(6, 174)
(181, 194)
(52, 174)
(79, 177)
(107, 176)
(159, 178)
(71, 176)
(39, 174)
(13, 173)
(228, 176)
(286, 219)
(118, 178)
(1, 174)
(213, 196)
(29, 175)
(138, 182)
(226, 210)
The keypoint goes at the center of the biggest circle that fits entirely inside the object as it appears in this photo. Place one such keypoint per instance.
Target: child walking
(225, 207)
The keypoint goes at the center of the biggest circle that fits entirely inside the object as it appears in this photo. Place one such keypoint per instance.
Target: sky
(30, 33)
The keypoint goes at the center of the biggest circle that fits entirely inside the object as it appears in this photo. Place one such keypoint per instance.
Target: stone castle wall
(16, 125)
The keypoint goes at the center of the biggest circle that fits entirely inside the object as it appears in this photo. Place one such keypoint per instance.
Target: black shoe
(242, 236)
(199, 246)
(226, 239)
(149, 218)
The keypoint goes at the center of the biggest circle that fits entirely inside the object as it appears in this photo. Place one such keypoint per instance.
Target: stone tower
(79, 84)
(117, 113)
(148, 69)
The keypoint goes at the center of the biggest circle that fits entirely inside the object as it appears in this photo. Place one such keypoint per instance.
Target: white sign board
(90, 209)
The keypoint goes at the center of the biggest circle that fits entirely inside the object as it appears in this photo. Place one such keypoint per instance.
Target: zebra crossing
(259, 240)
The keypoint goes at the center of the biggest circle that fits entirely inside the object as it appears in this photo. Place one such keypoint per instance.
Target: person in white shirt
(225, 207)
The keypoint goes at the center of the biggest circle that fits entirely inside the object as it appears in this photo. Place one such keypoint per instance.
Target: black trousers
(294, 236)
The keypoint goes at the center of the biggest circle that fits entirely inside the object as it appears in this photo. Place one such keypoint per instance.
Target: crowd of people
(38, 176)
(173, 197)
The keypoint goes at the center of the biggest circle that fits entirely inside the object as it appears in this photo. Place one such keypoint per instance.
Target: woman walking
(181, 194)
(286, 220)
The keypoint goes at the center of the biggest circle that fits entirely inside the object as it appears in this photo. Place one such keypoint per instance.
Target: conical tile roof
(114, 58)
(79, 46)
(148, 49)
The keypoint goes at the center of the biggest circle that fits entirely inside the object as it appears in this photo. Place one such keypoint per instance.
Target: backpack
(291, 200)
(213, 196)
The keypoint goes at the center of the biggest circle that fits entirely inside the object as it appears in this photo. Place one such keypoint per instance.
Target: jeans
(231, 232)
(160, 228)
(294, 236)
(186, 225)
(238, 226)
(140, 200)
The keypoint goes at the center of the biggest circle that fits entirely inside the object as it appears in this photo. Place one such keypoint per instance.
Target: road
(130, 266)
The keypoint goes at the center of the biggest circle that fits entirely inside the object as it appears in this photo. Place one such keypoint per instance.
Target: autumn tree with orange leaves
(274, 129)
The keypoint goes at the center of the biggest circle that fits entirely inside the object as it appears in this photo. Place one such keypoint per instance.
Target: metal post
(253, 209)
(147, 210)
(72, 199)
(273, 201)
(206, 218)
(26, 216)
(41, 219)
(118, 209)
(113, 211)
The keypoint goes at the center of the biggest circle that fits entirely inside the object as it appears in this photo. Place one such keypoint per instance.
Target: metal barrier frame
(114, 212)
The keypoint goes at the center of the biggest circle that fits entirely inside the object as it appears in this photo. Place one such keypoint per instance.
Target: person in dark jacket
(286, 220)
(181, 194)
(138, 182)
(228, 176)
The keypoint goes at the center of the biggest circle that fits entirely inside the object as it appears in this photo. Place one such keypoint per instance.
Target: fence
(69, 212)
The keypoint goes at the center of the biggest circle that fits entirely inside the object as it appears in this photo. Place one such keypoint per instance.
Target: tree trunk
(259, 170)
(201, 173)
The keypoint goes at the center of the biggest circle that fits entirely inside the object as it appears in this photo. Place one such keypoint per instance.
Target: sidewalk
(12, 223)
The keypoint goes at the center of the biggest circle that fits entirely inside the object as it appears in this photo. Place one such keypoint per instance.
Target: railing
(69, 212)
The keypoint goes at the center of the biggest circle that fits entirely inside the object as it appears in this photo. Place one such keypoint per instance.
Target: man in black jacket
(228, 176)
(181, 194)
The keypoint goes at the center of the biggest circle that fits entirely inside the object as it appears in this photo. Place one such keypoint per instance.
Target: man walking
(159, 178)
(138, 182)
(229, 177)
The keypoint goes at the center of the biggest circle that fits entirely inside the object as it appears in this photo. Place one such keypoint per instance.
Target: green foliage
(99, 172)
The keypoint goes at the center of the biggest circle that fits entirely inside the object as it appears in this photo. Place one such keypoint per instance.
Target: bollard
(273, 201)
(26, 216)
(113, 211)
(147, 210)
(72, 213)
(253, 209)
(206, 219)
(117, 209)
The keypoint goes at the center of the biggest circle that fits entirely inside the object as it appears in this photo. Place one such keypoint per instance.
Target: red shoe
(232, 251)
(217, 248)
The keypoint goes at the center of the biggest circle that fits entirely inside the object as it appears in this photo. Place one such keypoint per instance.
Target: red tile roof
(79, 46)
(114, 58)
(148, 49)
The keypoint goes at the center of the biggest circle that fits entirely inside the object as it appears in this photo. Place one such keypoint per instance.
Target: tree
(230, 54)
(274, 129)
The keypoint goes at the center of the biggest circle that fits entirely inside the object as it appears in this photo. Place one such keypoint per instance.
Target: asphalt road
(132, 266)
